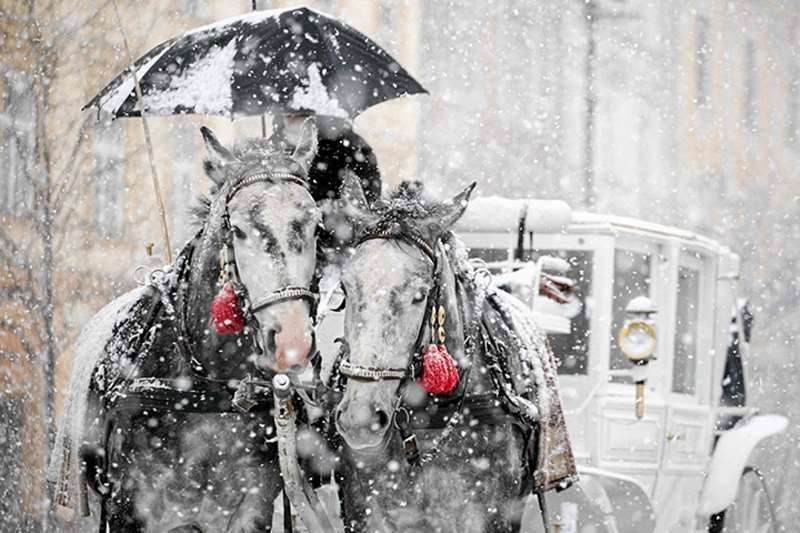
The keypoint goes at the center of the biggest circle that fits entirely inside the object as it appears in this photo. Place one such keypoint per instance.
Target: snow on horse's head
(271, 229)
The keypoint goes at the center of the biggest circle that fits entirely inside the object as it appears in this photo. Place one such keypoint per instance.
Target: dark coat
(339, 150)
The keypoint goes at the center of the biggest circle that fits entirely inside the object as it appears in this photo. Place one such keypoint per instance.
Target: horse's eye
(419, 296)
(238, 233)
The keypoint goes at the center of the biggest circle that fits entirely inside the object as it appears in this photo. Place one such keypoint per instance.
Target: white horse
(162, 421)
(434, 441)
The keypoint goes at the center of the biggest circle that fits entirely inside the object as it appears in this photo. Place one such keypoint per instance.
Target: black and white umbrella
(290, 60)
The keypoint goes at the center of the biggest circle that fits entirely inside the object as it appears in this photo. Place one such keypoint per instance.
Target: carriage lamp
(637, 340)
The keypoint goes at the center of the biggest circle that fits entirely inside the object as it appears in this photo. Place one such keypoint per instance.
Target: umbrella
(289, 60)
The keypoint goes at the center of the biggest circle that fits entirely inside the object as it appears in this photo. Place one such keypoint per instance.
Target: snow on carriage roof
(495, 214)
(498, 214)
(596, 223)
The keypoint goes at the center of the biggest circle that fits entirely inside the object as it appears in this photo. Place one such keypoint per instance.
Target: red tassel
(439, 370)
(226, 313)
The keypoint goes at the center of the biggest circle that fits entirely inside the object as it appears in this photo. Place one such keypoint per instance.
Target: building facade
(685, 112)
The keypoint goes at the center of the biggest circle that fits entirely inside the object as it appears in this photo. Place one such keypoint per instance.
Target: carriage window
(632, 271)
(572, 349)
(686, 325)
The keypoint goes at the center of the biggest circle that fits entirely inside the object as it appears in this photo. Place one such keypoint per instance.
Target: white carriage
(671, 467)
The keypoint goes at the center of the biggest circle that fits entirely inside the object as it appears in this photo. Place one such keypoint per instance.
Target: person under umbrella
(339, 149)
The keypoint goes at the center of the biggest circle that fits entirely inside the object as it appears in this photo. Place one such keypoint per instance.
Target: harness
(457, 409)
(229, 260)
(156, 396)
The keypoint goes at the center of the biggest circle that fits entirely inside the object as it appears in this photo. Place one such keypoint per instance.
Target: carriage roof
(493, 214)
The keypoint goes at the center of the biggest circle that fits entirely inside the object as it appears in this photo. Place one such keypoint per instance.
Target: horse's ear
(448, 213)
(353, 192)
(353, 202)
(217, 159)
(306, 148)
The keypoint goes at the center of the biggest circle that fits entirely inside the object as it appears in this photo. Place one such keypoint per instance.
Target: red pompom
(226, 313)
(439, 370)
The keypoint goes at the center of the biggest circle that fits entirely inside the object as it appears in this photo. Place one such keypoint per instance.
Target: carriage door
(686, 441)
(626, 445)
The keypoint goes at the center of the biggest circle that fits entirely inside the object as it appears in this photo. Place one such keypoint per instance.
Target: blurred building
(688, 103)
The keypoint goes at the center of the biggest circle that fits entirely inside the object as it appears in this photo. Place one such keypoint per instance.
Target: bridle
(229, 269)
(344, 368)
(402, 416)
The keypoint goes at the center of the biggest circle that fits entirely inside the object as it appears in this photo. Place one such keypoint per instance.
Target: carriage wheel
(751, 511)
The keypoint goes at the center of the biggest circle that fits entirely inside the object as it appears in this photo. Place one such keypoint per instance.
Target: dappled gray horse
(428, 449)
(174, 435)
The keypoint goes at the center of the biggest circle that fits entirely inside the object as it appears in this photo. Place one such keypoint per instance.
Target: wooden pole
(147, 140)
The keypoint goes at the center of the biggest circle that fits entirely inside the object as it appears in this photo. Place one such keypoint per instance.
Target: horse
(175, 433)
(433, 441)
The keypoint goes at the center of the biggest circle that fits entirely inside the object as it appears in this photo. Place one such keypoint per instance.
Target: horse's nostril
(381, 419)
(271, 344)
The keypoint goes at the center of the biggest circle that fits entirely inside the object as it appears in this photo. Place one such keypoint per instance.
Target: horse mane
(407, 204)
(200, 211)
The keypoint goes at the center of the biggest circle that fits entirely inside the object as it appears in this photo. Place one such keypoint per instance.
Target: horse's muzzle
(363, 430)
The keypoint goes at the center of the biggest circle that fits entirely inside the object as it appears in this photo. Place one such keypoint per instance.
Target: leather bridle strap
(369, 373)
(410, 238)
(282, 295)
(346, 368)
(271, 177)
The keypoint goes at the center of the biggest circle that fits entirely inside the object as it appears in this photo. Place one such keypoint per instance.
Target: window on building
(17, 141)
(750, 86)
(702, 58)
(632, 278)
(106, 179)
(684, 364)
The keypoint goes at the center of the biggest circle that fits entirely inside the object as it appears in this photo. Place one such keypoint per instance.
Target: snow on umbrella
(290, 60)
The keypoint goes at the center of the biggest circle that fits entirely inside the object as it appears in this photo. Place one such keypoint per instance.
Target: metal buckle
(410, 449)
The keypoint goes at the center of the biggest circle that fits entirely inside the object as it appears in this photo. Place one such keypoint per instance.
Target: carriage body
(659, 469)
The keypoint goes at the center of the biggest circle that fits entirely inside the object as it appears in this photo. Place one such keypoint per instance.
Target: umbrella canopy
(289, 60)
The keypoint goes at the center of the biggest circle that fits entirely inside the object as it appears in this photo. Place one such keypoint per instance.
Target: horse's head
(388, 280)
(267, 222)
